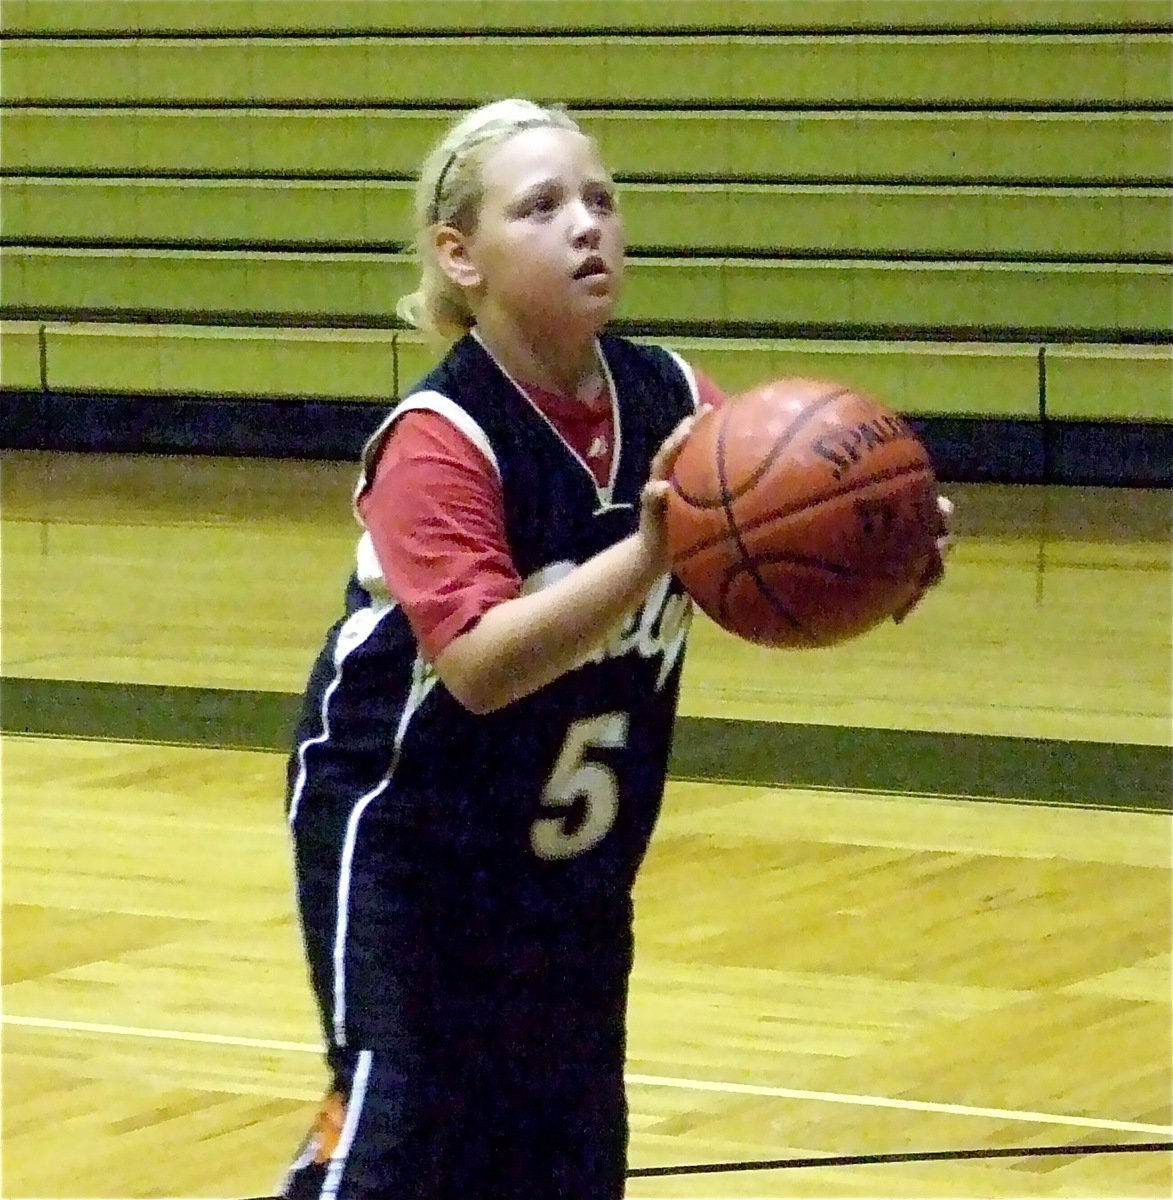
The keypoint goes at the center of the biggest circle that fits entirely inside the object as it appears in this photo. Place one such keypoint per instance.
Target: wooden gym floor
(907, 912)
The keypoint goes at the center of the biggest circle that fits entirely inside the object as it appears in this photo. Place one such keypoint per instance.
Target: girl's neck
(568, 368)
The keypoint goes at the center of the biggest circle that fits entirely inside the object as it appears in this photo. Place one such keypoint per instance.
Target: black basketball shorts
(518, 1120)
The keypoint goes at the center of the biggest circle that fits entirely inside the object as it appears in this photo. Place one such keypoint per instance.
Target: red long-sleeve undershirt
(436, 515)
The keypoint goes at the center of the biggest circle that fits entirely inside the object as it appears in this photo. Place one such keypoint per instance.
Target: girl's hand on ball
(655, 492)
(945, 534)
(935, 570)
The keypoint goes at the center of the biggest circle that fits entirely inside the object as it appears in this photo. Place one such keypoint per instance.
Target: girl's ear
(452, 256)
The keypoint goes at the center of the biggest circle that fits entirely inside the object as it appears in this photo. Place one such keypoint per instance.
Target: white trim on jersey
(354, 632)
(367, 568)
(604, 491)
(342, 901)
(687, 372)
(427, 401)
(423, 679)
(438, 403)
(354, 1107)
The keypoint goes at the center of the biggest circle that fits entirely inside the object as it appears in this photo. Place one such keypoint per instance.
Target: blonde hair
(449, 189)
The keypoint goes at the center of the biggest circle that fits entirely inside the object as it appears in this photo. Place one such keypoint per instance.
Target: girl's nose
(585, 225)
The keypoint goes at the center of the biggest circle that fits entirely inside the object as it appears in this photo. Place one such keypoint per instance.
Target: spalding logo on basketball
(802, 514)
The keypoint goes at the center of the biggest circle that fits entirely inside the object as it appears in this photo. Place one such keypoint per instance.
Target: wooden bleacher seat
(1128, 148)
(745, 295)
(1110, 383)
(926, 378)
(112, 17)
(874, 220)
(1112, 70)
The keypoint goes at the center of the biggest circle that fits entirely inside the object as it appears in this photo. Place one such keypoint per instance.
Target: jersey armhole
(451, 411)
(689, 377)
(427, 401)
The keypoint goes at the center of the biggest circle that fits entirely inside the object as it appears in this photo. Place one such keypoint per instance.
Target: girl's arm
(435, 514)
(522, 644)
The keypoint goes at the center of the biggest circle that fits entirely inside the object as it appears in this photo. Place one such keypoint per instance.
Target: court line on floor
(660, 1081)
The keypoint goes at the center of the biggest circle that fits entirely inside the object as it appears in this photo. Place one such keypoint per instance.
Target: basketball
(802, 513)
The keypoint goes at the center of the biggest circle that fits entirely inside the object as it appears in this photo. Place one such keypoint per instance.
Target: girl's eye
(543, 204)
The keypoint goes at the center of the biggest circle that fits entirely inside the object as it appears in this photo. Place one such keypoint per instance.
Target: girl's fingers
(945, 539)
(935, 569)
(656, 492)
(674, 443)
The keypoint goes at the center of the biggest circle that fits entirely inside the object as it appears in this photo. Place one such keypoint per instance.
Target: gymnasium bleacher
(962, 206)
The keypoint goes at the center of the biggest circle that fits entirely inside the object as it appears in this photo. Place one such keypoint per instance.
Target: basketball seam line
(727, 500)
(711, 540)
(775, 450)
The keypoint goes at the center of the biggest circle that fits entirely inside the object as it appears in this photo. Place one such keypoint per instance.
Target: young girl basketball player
(485, 736)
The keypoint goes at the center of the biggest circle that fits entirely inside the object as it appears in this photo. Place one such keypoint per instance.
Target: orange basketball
(802, 514)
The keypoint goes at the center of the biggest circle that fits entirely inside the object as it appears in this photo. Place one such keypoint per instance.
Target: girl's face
(547, 251)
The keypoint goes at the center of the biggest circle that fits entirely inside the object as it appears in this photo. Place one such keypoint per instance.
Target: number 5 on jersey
(577, 777)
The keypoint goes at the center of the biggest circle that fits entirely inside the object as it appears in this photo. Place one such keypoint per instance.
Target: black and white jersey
(416, 820)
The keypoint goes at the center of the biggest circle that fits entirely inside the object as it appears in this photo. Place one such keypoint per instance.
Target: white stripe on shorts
(354, 1106)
